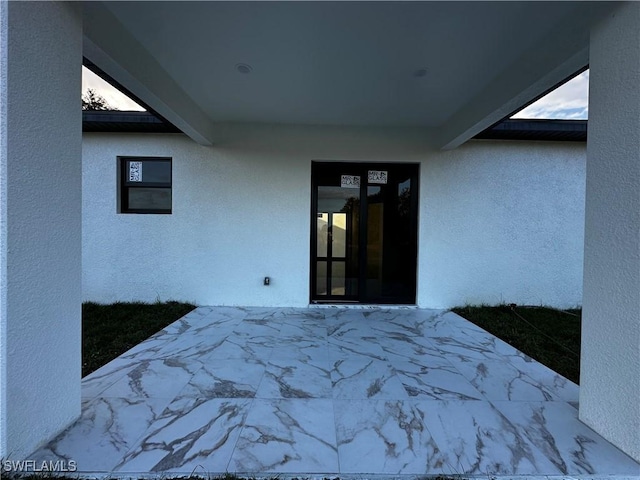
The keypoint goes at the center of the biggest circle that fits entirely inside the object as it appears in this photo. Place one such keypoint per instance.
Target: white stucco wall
(235, 219)
(240, 213)
(499, 221)
(40, 222)
(610, 373)
(503, 222)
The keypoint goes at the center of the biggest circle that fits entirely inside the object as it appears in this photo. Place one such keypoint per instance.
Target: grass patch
(110, 330)
(550, 336)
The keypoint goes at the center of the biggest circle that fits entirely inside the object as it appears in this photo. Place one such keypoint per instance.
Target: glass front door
(364, 233)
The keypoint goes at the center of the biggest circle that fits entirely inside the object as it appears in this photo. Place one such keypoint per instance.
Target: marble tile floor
(331, 391)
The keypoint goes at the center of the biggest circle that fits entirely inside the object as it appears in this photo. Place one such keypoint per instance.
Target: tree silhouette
(93, 101)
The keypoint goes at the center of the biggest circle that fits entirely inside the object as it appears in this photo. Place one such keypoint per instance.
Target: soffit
(350, 63)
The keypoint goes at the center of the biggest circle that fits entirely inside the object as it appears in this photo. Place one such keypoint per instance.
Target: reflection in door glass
(336, 246)
(375, 243)
(364, 238)
(339, 235)
(404, 198)
(338, 279)
(321, 278)
(323, 234)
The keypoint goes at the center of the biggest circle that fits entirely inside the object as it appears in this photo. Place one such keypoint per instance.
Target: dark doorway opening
(364, 232)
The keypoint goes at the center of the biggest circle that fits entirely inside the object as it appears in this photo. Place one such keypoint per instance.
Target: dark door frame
(413, 169)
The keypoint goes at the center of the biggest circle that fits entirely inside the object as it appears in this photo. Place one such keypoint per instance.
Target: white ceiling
(339, 63)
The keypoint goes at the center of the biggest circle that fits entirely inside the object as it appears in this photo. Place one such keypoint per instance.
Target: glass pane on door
(338, 278)
(375, 240)
(323, 234)
(339, 235)
(337, 216)
(391, 242)
(321, 278)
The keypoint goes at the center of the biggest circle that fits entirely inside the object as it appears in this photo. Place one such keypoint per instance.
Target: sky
(568, 102)
(115, 99)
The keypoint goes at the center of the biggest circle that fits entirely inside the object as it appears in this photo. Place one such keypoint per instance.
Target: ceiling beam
(115, 51)
(563, 52)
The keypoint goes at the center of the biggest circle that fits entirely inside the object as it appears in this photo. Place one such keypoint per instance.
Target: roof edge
(536, 129)
(125, 122)
(510, 129)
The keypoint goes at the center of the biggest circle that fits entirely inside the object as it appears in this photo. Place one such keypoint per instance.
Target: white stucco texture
(241, 211)
(40, 275)
(610, 368)
(499, 221)
(503, 222)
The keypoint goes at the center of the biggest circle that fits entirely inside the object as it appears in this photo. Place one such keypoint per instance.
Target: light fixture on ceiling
(244, 68)
(420, 72)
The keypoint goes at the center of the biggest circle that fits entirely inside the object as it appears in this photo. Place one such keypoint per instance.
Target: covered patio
(331, 391)
(331, 81)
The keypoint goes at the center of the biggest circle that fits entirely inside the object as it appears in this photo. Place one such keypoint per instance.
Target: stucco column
(610, 375)
(40, 222)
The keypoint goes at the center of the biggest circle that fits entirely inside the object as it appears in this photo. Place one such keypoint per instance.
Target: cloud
(568, 102)
(116, 99)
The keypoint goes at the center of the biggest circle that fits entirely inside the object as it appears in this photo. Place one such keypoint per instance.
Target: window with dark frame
(145, 185)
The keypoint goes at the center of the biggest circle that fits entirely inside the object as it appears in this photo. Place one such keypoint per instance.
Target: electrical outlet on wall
(267, 281)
